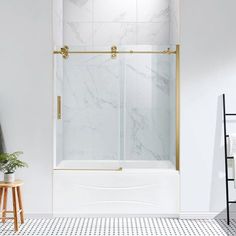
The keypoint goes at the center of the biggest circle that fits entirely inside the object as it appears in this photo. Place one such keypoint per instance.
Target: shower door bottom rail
(89, 169)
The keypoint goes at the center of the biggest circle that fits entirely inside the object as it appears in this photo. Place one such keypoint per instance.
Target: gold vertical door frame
(177, 107)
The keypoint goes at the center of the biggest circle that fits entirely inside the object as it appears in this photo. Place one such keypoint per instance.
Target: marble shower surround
(116, 22)
(124, 118)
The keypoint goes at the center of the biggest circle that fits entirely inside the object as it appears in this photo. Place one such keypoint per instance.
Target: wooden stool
(15, 186)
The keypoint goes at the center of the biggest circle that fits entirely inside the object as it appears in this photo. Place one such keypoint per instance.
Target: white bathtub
(140, 188)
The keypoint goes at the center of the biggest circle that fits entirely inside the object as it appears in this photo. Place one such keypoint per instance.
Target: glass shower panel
(120, 109)
(149, 106)
(58, 126)
(91, 107)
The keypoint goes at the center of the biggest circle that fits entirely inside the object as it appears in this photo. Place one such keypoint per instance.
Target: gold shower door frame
(65, 52)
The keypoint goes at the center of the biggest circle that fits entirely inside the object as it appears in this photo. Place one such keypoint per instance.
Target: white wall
(26, 95)
(208, 68)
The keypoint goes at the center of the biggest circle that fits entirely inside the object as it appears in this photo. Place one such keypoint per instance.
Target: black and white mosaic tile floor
(120, 226)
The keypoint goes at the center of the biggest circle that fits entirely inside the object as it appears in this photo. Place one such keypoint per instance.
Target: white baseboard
(205, 215)
(182, 215)
(38, 215)
(48, 216)
(117, 215)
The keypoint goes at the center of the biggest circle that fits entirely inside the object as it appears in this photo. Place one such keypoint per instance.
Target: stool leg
(14, 208)
(1, 191)
(4, 205)
(20, 205)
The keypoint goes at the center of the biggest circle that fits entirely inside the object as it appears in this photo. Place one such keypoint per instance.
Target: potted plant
(9, 162)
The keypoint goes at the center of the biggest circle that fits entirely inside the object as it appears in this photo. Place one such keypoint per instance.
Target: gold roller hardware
(64, 52)
(113, 52)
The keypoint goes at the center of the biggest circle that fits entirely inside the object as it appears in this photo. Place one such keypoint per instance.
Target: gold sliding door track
(65, 52)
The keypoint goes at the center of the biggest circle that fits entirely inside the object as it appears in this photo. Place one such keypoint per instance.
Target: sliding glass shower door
(116, 109)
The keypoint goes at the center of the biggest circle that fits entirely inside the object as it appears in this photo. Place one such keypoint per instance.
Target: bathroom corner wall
(208, 69)
(26, 86)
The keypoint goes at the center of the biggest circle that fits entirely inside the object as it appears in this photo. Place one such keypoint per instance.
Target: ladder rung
(230, 179)
(230, 157)
(230, 114)
(231, 201)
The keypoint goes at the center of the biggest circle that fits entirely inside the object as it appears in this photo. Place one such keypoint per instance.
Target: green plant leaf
(9, 162)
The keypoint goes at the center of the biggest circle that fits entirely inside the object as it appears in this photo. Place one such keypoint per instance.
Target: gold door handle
(59, 107)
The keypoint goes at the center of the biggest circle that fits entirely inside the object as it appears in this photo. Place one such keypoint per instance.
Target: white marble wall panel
(153, 11)
(153, 33)
(114, 34)
(165, 13)
(114, 10)
(78, 10)
(78, 34)
(118, 21)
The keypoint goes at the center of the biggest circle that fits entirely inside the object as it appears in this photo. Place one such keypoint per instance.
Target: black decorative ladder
(226, 160)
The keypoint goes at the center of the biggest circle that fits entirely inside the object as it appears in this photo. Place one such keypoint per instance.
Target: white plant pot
(9, 178)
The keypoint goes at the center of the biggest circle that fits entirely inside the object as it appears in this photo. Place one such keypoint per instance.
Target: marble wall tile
(78, 10)
(114, 10)
(78, 34)
(153, 33)
(120, 22)
(114, 34)
(152, 11)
